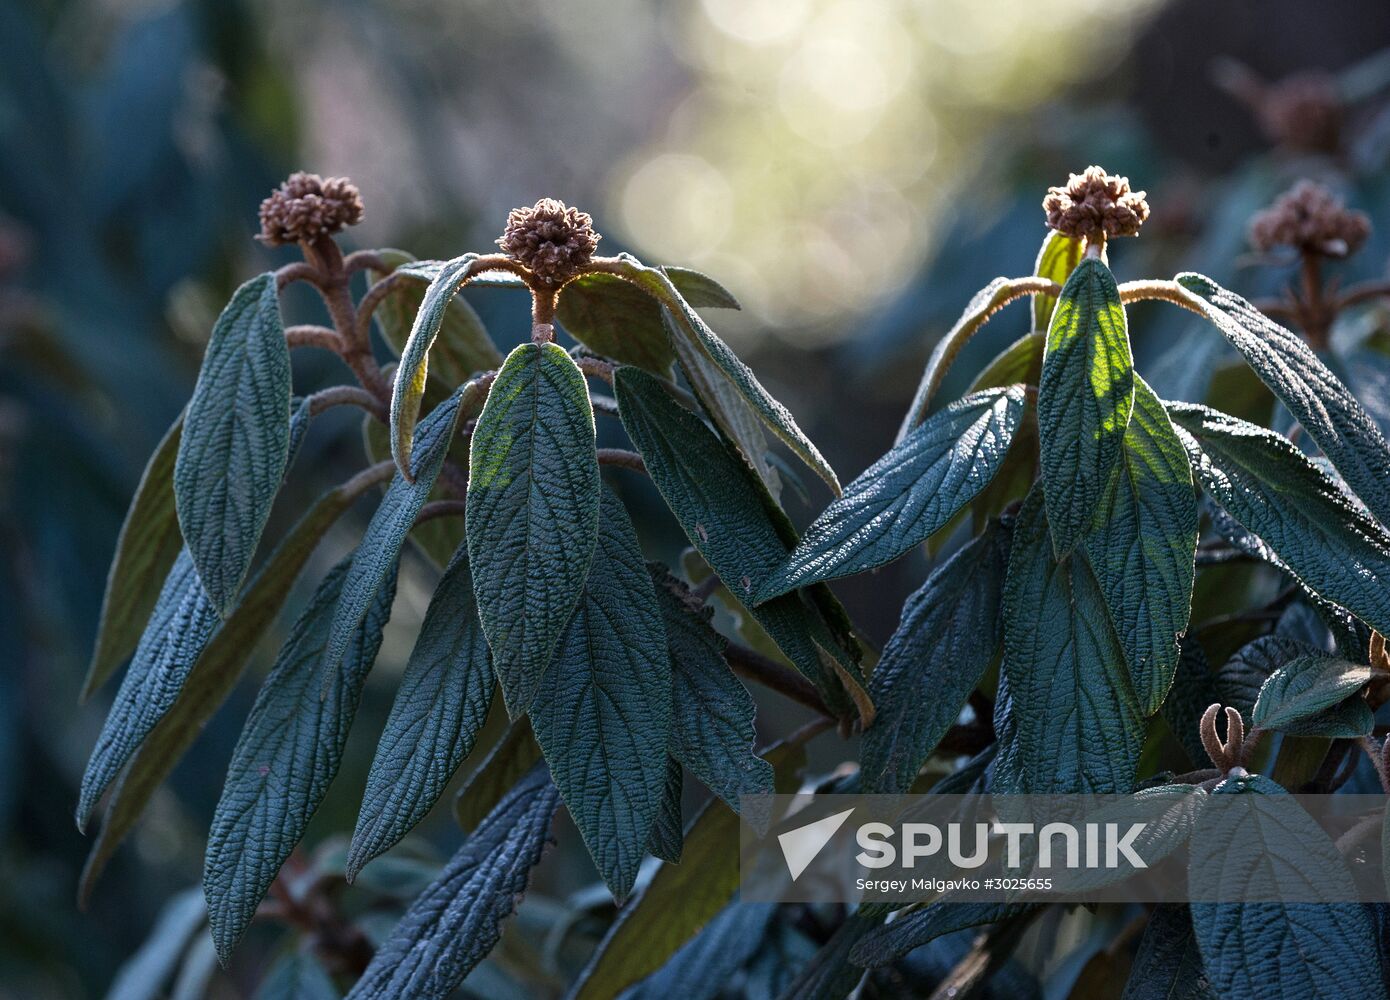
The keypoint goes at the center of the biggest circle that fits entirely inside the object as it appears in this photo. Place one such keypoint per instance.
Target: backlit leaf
(1299, 697)
(533, 507)
(236, 438)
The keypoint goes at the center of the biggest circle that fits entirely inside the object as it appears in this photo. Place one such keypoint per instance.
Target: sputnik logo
(800, 846)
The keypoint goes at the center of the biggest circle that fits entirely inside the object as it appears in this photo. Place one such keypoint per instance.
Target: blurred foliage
(848, 169)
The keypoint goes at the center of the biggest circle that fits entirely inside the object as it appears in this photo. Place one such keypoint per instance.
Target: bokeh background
(852, 169)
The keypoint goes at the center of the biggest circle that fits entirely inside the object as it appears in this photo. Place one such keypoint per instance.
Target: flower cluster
(308, 207)
(552, 240)
(1311, 218)
(1095, 205)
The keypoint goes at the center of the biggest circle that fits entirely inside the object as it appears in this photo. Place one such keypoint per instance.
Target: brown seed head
(307, 207)
(1302, 112)
(551, 239)
(1095, 205)
(1311, 218)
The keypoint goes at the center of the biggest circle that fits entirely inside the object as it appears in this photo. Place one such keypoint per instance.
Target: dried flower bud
(307, 207)
(551, 239)
(1311, 218)
(1095, 205)
(1302, 112)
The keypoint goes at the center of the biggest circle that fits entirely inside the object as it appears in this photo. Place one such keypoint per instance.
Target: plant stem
(346, 395)
(623, 458)
(770, 674)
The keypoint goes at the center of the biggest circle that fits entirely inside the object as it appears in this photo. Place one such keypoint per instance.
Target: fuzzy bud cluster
(1312, 219)
(1095, 205)
(308, 207)
(552, 240)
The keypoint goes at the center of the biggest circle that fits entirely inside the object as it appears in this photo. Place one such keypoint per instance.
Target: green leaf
(461, 348)
(888, 943)
(603, 715)
(680, 899)
(1273, 490)
(457, 921)
(1057, 258)
(1143, 544)
(620, 320)
(286, 757)
(1168, 965)
(730, 412)
(412, 374)
(533, 503)
(1325, 950)
(701, 967)
(440, 706)
(374, 561)
(1073, 703)
(236, 439)
(667, 839)
(940, 650)
(1315, 396)
(721, 507)
(1019, 363)
(298, 976)
(515, 754)
(438, 538)
(148, 544)
(182, 623)
(1240, 678)
(1193, 689)
(829, 974)
(712, 713)
(214, 674)
(1305, 688)
(908, 494)
(616, 319)
(687, 329)
(1084, 399)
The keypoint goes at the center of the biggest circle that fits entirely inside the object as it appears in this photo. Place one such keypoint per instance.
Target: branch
(346, 395)
(312, 335)
(597, 367)
(298, 271)
(770, 674)
(622, 457)
(364, 260)
(441, 508)
(374, 296)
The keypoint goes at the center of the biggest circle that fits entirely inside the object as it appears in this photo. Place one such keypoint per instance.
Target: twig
(621, 457)
(313, 335)
(597, 367)
(441, 508)
(298, 271)
(346, 395)
(374, 296)
(770, 674)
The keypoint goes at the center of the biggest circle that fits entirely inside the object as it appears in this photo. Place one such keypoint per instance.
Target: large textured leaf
(1194, 688)
(412, 373)
(1297, 698)
(285, 759)
(1143, 545)
(1321, 951)
(908, 494)
(439, 708)
(454, 923)
(184, 619)
(236, 439)
(148, 544)
(829, 975)
(1273, 490)
(214, 674)
(717, 501)
(1240, 678)
(1073, 704)
(375, 560)
(620, 320)
(712, 713)
(1315, 396)
(667, 839)
(680, 899)
(1084, 399)
(942, 646)
(686, 327)
(462, 347)
(603, 715)
(533, 500)
(1168, 965)
(1057, 259)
